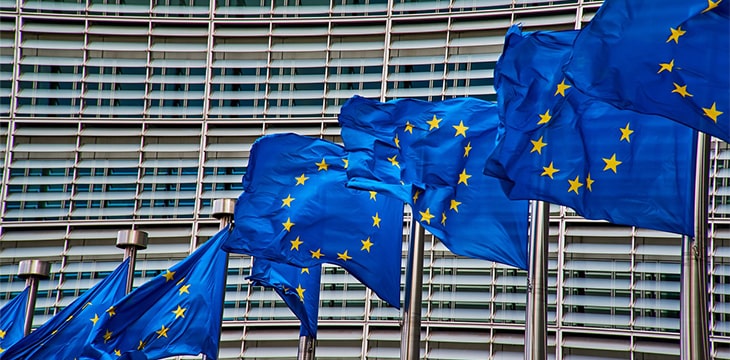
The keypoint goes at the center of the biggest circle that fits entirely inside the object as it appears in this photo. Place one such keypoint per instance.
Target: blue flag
(65, 335)
(12, 320)
(561, 146)
(296, 209)
(431, 155)
(668, 58)
(176, 313)
(298, 287)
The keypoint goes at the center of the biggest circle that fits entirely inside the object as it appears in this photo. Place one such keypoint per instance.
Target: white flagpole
(223, 211)
(536, 308)
(411, 326)
(693, 312)
(32, 271)
(131, 241)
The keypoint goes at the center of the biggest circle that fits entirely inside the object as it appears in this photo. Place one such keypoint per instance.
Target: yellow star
(463, 177)
(2, 334)
(676, 33)
(179, 312)
(467, 148)
(301, 179)
(396, 141)
(666, 66)
(712, 112)
(181, 281)
(107, 335)
(169, 275)
(2, 350)
(95, 319)
(316, 254)
(300, 292)
(537, 145)
(372, 195)
(545, 118)
(288, 224)
(111, 311)
(185, 289)
(611, 163)
(443, 218)
(141, 345)
(117, 352)
(69, 318)
(416, 195)
(626, 133)
(344, 256)
(409, 127)
(295, 243)
(549, 170)
(86, 305)
(433, 123)
(393, 161)
(454, 205)
(711, 5)
(287, 201)
(575, 184)
(376, 220)
(322, 165)
(426, 216)
(162, 332)
(305, 270)
(345, 163)
(460, 129)
(561, 88)
(366, 244)
(681, 90)
(589, 182)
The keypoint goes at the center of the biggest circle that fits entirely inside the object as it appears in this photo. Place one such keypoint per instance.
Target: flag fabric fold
(561, 146)
(65, 334)
(431, 155)
(668, 58)
(298, 287)
(175, 313)
(296, 209)
(12, 320)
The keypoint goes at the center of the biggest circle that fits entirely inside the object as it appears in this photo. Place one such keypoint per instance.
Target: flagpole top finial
(132, 238)
(223, 208)
(33, 268)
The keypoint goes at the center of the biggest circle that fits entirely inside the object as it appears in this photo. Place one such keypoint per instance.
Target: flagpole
(693, 312)
(536, 309)
(411, 334)
(306, 348)
(131, 241)
(223, 210)
(32, 271)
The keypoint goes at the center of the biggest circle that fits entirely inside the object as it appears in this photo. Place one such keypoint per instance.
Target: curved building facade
(121, 114)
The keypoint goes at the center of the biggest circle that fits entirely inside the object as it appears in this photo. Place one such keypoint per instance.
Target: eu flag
(431, 155)
(296, 209)
(668, 58)
(298, 287)
(65, 335)
(12, 320)
(175, 313)
(561, 146)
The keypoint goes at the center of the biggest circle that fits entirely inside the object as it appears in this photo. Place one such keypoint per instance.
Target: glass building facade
(121, 114)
